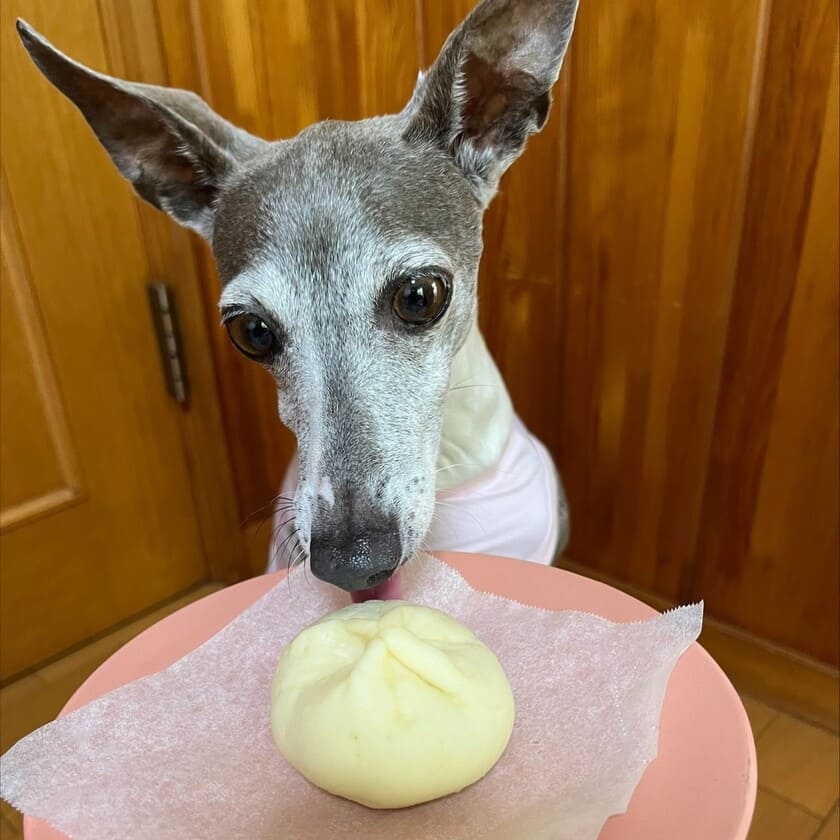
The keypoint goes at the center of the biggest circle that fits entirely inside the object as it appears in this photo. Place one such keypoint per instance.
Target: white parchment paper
(188, 752)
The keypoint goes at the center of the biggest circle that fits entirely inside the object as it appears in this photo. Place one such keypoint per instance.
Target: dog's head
(348, 256)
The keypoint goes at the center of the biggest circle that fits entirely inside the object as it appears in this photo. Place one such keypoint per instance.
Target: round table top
(702, 784)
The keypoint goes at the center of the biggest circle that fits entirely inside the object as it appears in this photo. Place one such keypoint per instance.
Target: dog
(348, 257)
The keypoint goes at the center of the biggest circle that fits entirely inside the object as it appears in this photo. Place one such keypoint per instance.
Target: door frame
(137, 50)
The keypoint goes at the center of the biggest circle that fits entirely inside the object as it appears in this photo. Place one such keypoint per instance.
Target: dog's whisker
(277, 527)
(463, 382)
(275, 553)
(275, 548)
(278, 524)
(453, 466)
(284, 546)
(263, 524)
(468, 464)
(280, 497)
(289, 557)
(300, 560)
(269, 515)
(464, 387)
(461, 510)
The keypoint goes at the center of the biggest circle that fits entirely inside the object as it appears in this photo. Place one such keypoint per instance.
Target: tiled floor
(797, 762)
(797, 777)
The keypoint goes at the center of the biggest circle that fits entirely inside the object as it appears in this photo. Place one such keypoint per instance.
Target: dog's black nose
(355, 560)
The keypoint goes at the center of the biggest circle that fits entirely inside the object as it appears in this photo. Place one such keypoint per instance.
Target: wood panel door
(103, 509)
(660, 290)
(659, 283)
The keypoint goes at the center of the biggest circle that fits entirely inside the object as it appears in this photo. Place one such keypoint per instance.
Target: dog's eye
(421, 300)
(252, 336)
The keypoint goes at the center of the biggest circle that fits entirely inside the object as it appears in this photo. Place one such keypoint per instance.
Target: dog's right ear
(490, 88)
(176, 151)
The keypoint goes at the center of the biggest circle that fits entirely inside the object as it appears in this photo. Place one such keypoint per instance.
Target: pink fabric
(511, 510)
(514, 509)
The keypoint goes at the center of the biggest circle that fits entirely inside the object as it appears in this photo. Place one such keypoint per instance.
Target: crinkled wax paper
(188, 752)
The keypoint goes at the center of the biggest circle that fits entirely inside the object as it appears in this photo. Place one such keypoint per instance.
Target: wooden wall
(660, 282)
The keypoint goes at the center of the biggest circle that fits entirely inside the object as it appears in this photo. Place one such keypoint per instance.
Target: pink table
(702, 786)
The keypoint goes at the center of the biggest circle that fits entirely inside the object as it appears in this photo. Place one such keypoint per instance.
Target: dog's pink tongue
(388, 591)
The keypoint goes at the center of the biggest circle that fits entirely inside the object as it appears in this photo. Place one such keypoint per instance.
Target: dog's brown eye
(252, 336)
(421, 300)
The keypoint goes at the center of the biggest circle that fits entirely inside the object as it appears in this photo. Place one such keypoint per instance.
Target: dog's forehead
(340, 194)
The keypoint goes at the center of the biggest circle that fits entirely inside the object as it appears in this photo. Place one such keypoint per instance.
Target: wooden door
(103, 493)
(659, 284)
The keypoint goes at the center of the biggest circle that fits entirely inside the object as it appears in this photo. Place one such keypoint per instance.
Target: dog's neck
(477, 415)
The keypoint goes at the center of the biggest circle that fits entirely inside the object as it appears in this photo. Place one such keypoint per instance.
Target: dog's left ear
(490, 88)
(176, 151)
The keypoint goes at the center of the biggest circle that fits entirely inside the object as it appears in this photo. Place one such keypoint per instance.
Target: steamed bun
(390, 704)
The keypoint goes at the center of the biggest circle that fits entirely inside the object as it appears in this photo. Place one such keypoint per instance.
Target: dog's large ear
(490, 87)
(175, 150)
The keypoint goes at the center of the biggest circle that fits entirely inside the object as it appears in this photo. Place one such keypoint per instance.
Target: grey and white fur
(315, 235)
